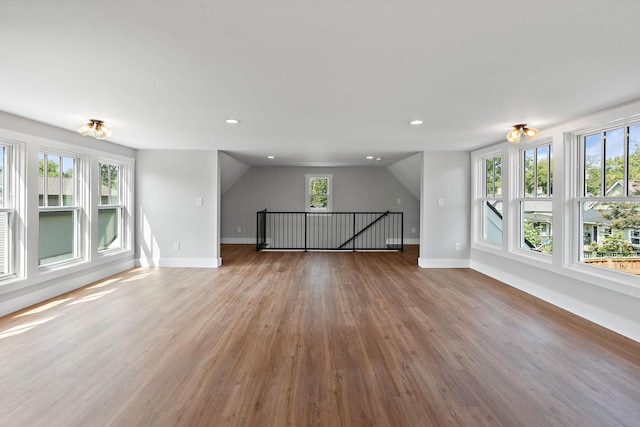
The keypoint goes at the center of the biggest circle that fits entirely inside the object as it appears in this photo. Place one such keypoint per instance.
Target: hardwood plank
(311, 339)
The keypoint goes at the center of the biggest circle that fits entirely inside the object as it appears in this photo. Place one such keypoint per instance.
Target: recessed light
(232, 121)
(379, 158)
(271, 157)
(416, 122)
(369, 157)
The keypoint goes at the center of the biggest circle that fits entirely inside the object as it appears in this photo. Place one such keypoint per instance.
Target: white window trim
(14, 205)
(481, 198)
(572, 238)
(80, 208)
(307, 198)
(121, 206)
(126, 202)
(516, 235)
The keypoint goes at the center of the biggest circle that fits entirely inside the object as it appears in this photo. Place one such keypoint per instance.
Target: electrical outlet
(199, 201)
(239, 229)
(413, 230)
(457, 246)
(176, 246)
(440, 202)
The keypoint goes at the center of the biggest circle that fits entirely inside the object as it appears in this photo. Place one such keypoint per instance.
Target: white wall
(34, 284)
(444, 210)
(169, 183)
(606, 297)
(283, 189)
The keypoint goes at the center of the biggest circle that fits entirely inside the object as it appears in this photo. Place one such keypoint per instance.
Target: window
(318, 193)
(492, 199)
(8, 212)
(59, 208)
(110, 208)
(609, 198)
(536, 198)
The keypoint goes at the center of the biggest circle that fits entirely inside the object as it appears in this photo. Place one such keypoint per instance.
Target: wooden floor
(302, 339)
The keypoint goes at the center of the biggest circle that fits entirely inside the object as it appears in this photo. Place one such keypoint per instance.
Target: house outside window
(59, 208)
(110, 208)
(535, 201)
(609, 198)
(492, 199)
(318, 193)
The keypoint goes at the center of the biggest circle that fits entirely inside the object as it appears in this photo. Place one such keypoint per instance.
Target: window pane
(609, 231)
(634, 161)
(536, 226)
(489, 181)
(493, 221)
(319, 202)
(529, 174)
(57, 236)
(4, 243)
(592, 165)
(41, 179)
(114, 189)
(68, 181)
(614, 163)
(109, 184)
(53, 180)
(543, 169)
(319, 186)
(109, 228)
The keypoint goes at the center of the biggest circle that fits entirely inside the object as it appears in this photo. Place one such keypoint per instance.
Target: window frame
(78, 208)
(580, 197)
(329, 194)
(485, 198)
(11, 204)
(522, 197)
(120, 206)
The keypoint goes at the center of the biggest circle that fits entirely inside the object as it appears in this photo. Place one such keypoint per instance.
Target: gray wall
(283, 189)
(446, 178)
(170, 183)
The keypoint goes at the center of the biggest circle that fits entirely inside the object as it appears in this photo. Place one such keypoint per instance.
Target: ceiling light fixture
(232, 121)
(96, 129)
(515, 134)
(369, 157)
(416, 122)
(271, 157)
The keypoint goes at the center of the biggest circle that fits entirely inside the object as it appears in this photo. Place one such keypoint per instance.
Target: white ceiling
(322, 82)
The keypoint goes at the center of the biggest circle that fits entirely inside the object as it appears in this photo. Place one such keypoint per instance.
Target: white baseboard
(443, 263)
(238, 240)
(603, 317)
(180, 262)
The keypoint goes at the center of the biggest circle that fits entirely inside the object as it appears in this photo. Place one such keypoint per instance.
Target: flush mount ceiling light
(515, 134)
(416, 122)
(96, 129)
(232, 121)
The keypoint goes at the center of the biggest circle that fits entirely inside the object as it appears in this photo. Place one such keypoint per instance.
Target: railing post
(401, 231)
(353, 244)
(305, 231)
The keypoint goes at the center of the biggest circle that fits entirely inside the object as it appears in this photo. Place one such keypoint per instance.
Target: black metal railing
(351, 231)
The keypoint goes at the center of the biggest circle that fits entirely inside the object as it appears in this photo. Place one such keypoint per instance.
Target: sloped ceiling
(321, 83)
